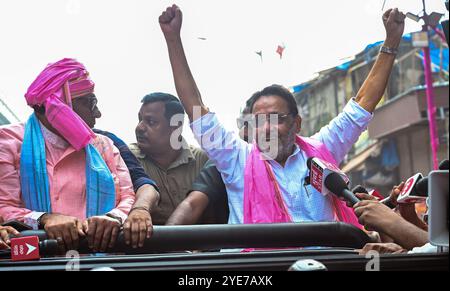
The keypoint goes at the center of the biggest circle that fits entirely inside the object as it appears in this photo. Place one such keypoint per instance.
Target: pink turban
(54, 88)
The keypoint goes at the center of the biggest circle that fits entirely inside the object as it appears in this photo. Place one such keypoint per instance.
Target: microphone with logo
(416, 187)
(29, 248)
(327, 178)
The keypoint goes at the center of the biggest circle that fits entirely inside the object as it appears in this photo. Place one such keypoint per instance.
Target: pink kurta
(66, 172)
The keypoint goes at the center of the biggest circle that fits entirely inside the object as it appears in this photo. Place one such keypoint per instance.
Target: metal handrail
(215, 237)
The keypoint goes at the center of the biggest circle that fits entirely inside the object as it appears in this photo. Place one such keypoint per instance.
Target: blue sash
(100, 189)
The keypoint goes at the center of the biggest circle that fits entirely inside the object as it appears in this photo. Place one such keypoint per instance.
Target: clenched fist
(170, 22)
(394, 22)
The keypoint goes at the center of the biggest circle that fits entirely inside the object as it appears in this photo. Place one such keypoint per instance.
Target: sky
(123, 48)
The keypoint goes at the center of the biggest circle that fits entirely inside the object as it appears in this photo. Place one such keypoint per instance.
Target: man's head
(277, 121)
(52, 95)
(155, 130)
(84, 106)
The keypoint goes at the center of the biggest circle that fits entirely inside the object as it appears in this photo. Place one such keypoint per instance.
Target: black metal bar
(237, 262)
(214, 237)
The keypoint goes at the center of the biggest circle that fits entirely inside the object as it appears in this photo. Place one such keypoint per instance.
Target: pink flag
(280, 50)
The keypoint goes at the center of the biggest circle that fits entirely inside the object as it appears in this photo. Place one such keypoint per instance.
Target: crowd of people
(59, 174)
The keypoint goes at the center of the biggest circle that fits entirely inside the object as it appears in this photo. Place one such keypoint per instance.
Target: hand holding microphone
(406, 210)
(378, 217)
(375, 215)
(390, 201)
(370, 212)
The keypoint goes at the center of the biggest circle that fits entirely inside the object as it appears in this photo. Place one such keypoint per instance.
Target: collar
(53, 139)
(185, 157)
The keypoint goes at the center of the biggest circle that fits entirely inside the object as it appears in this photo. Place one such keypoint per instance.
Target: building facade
(397, 143)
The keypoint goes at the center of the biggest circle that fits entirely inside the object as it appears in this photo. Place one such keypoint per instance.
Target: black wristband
(389, 51)
(39, 221)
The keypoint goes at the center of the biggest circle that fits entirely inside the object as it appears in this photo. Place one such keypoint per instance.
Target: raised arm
(170, 22)
(374, 87)
(343, 131)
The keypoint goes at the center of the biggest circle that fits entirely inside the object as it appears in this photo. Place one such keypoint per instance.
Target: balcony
(406, 110)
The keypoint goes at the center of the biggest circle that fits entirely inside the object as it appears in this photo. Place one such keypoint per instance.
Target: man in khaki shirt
(164, 154)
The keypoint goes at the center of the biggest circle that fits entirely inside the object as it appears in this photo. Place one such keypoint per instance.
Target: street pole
(430, 95)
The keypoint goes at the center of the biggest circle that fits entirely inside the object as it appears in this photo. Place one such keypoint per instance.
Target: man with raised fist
(265, 180)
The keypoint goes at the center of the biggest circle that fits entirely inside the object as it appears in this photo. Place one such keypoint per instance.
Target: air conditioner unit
(438, 190)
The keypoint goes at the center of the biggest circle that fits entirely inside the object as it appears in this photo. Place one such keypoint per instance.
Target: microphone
(319, 171)
(48, 247)
(360, 189)
(29, 248)
(386, 201)
(410, 193)
(338, 186)
(444, 165)
(419, 190)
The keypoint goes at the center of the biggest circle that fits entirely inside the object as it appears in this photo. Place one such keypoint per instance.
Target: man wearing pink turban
(55, 172)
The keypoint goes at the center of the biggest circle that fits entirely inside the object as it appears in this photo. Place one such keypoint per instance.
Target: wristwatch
(39, 221)
(388, 50)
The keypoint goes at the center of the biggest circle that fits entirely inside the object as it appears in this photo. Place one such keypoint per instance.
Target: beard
(270, 146)
(275, 147)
